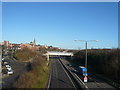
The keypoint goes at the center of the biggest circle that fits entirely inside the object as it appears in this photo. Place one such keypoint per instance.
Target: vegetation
(24, 54)
(37, 74)
(102, 61)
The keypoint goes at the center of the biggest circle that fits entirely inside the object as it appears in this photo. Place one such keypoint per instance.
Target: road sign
(85, 79)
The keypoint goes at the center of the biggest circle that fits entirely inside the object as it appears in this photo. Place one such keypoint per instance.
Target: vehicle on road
(69, 65)
(82, 70)
(5, 63)
(3, 59)
(10, 72)
(7, 66)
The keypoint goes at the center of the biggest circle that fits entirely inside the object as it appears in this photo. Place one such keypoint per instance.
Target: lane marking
(67, 75)
(49, 80)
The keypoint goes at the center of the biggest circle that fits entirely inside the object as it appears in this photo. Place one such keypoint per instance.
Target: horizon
(65, 48)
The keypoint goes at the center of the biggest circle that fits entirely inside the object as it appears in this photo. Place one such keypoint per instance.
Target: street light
(86, 48)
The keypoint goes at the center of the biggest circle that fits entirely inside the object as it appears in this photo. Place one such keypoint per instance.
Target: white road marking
(68, 75)
(48, 86)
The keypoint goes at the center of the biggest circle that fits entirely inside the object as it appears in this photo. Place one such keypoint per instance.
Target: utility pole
(86, 41)
(86, 56)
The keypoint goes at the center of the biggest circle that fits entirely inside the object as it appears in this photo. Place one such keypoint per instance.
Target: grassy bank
(37, 74)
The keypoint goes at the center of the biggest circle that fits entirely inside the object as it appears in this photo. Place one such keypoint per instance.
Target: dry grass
(24, 54)
(37, 76)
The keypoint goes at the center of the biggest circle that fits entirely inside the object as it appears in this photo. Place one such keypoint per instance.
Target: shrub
(36, 77)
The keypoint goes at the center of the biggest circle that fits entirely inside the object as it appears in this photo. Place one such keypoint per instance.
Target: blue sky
(59, 24)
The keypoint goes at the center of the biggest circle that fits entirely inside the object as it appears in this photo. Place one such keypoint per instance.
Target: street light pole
(86, 56)
(86, 49)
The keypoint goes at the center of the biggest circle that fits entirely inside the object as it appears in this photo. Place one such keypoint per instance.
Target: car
(69, 65)
(5, 63)
(7, 66)
(3, 59)
(10, 72)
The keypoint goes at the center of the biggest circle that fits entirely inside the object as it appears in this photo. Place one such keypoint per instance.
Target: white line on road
(82, 82)
(49, 80)
(68, 75)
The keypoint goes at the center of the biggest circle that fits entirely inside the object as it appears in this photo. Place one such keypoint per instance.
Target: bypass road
(59, 77)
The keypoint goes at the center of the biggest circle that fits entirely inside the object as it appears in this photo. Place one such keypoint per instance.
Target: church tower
(34, 42)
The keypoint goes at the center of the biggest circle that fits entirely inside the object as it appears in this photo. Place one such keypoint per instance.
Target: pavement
(59, 77)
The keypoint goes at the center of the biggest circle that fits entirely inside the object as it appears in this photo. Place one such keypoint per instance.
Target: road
(59, 77)
(93, 81)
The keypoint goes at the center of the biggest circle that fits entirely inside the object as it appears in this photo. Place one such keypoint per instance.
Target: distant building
(25, 45)
(6, 43)
(33, 43)
(14, 46)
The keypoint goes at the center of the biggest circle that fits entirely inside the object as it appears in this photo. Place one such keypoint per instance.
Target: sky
(60, 0)
(60, 23)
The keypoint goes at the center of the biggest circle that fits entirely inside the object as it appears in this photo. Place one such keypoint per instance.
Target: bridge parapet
(56, 53)
(59, 53)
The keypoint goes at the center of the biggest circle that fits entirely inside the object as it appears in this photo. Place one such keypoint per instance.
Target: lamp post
(86, 41)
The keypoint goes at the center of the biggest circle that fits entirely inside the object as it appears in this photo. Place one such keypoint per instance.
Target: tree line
(102, 61)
